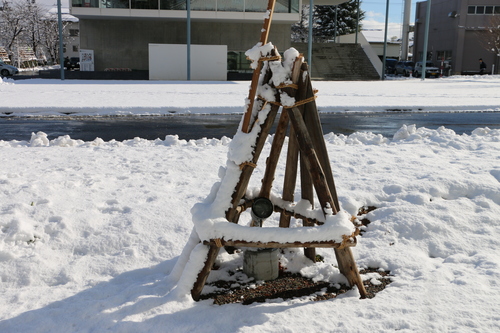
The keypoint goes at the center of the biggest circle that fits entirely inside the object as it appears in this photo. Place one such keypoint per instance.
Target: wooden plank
(311, 159)
(256, 73)
(232, 213)
(203, 275)
(348, 267)
(290, 178)
(313, 123)
(274, 154)
(307, 188)
(241, 187)
(312, 244)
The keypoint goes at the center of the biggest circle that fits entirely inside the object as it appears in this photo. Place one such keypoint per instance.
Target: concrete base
(263, 265)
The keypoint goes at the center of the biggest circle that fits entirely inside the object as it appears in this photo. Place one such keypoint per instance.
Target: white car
(430, 70)
(7, 70)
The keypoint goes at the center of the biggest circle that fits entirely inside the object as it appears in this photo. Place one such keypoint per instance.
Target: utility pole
(406, 30)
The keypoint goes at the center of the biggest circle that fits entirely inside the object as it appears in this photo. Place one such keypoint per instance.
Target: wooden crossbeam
(312, 244)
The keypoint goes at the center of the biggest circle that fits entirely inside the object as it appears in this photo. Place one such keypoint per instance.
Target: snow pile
(94, 230)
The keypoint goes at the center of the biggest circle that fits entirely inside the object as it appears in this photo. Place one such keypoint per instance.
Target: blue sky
(375, 15)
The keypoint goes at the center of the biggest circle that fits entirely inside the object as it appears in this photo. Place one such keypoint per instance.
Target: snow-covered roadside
(43, 97)
(91, 230)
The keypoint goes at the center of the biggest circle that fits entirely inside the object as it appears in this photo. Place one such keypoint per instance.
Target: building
(453, 34)
(121, 32)
(376, 40)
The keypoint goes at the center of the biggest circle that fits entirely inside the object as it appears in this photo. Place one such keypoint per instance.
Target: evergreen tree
(324, 24)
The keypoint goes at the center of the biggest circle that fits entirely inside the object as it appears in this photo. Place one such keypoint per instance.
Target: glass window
(444, 55)
(488, 10)
(231, 5)
(144, 4)
(479, 9)
(203, 5)
(237, 62)
(471, 10)
(497, 10)
(173, 4)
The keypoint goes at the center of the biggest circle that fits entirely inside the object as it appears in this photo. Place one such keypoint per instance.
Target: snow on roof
(65, 15)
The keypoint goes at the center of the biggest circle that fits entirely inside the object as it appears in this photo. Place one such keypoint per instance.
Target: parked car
(404, 68)
(7, 70)
(430, 70)
(72, 63)
(390, 65)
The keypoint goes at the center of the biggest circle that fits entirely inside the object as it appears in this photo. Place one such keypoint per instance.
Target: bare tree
(49, 31)
(12, 25)
(32, 36)
(490, 37)
(24, 24)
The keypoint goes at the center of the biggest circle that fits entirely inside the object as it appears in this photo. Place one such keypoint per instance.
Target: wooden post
(274, 154)
(312, 162)
(348, 267)
(290, 180)
(312, 121)
(241, 187)
(203, 275)
(256, 73)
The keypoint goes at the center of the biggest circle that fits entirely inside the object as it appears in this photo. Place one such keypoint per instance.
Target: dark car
(390, 66)
(404, 68)
(72, 63)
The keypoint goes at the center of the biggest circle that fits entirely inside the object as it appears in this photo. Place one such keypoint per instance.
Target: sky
(103, 235)
(375, 11)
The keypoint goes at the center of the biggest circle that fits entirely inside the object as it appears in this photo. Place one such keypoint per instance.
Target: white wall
(169, 62)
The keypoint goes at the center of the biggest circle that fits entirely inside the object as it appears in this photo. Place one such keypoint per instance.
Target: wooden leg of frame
(203, 275)
(348, 267)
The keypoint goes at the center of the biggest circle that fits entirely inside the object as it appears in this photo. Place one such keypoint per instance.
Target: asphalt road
(217, 126)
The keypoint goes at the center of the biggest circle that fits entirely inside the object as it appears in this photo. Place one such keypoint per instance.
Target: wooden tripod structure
(306, 147)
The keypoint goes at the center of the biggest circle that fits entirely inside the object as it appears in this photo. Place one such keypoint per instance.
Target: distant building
(121, 32)
(453, 37)
(376, 40)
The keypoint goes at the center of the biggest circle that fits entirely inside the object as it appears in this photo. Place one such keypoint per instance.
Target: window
(483, 10)
(237, 62)
(74, 32)
(444, 55)
(75, 48)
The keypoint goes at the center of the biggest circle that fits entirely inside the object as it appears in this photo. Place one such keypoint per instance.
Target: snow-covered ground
(56, 97)
(90, 232)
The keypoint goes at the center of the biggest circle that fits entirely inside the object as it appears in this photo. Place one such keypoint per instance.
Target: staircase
(339, 62)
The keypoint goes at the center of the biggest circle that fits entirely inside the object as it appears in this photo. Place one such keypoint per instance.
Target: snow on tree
(24, 24)
(325, 25)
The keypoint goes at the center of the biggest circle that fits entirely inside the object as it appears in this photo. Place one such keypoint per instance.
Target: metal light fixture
(262, 208)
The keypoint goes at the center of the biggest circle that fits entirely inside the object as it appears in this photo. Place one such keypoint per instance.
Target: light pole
(188, 28)
(426, 37)
(61, 49)
(310, 35)
(385, 39)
